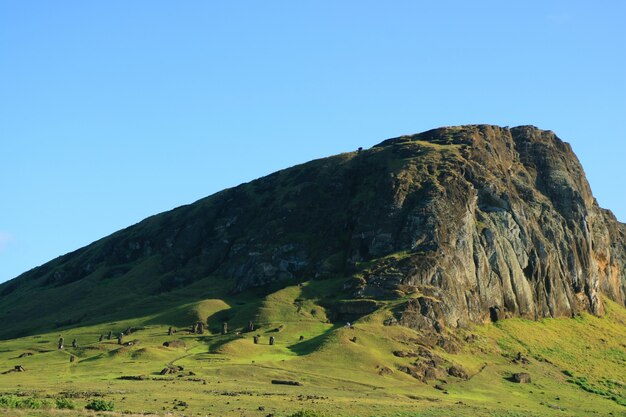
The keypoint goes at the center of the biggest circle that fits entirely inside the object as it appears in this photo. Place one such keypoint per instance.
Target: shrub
(100, 405)
(65, 403)
(33, 403)
(10, 401)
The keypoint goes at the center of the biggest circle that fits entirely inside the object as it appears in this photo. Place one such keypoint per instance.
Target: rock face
(478, 222)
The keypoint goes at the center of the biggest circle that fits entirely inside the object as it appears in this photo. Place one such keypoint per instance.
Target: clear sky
(111, 111)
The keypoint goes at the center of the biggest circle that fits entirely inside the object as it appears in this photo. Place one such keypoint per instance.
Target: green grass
(572, 367)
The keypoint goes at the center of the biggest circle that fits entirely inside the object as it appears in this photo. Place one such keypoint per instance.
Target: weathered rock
(25, 354)
(174, 344)
(521, 378)
(457, 371)
(272, 340)
(255, 339)
(283, 382)
(72, 358)
(301, 338)
(404, 354)
(16, 368)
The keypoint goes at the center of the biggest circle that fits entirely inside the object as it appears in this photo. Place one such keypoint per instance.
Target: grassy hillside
(576, 365)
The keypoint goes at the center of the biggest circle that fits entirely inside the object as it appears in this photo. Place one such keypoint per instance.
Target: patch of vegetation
(65, 404)
(13, 401)
(306, 413)
(100, 405)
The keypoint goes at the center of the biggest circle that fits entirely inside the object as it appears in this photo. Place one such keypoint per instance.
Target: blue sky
(114, 111)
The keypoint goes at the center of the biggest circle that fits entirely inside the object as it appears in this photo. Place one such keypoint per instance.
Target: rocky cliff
(469, 224)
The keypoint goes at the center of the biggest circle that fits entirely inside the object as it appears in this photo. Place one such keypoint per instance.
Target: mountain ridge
(475, 223)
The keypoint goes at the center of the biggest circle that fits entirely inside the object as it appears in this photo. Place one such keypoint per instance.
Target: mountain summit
(462, 224)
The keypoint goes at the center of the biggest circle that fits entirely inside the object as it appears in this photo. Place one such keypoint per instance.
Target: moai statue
(169, 331)
(100, 338)
(72, 358)
(60, 343)
(250, 326)
(74, 343)
(110, 335)
(272, 340)
(200, 328)
(224, 328)
(256, 340)
(119, 338)
(301, 338)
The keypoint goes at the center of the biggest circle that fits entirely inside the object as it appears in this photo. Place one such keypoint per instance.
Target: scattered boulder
(169, 331)
(16, 368)
(427, 366)
(457, 372)
(521, 378)
(72, 358)
(272, 340)
(301, 338)
(25, 354)
(171, 369)
(383, 370)
(174, 344)
(284, 382)
(74, 343)
(521, 359)
(256, 339)
(353, 340)
(405, 354)
(60, 343)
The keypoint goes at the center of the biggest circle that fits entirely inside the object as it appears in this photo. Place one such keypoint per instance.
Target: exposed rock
(384, 370)
(405, 354)
(16, 368)
(521, 378)
(174, 344)
(283, 382)
(25, 354)
(457, 371)
(272, 340)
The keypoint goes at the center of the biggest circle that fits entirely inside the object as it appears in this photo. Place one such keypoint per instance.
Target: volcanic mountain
(458, 225)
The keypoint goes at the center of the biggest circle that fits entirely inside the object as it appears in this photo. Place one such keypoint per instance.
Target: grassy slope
(577, 365)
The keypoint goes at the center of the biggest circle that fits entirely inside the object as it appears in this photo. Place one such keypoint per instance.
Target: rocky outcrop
(508, 227)
(476, 223)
